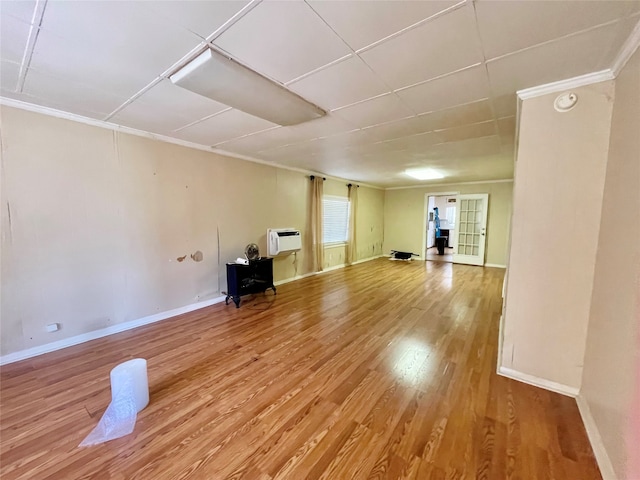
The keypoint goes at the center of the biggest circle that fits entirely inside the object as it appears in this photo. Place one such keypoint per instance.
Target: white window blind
(335, 219)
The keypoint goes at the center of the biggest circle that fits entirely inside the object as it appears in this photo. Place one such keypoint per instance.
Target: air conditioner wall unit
(283, 240)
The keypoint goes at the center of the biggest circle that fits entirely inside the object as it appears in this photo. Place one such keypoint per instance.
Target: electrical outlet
(53, 327)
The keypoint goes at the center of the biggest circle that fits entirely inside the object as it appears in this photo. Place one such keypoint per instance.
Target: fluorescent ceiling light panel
(424, 174)
(224, 80)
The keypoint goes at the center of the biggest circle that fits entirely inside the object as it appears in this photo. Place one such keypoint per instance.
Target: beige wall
(404, 218)
(369, 221)
(558, 191)
(612, 357)
(93, 222)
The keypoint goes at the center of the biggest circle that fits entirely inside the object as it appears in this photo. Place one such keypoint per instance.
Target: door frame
(425, 215)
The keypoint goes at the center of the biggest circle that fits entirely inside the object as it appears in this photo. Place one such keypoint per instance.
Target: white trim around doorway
(425, 214)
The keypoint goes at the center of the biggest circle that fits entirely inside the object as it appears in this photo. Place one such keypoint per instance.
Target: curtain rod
(313, 176)
(352, 185)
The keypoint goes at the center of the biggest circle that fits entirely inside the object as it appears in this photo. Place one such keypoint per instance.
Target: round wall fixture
(565, 102)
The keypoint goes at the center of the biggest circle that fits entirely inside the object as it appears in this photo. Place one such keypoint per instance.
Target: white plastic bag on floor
(129, 395)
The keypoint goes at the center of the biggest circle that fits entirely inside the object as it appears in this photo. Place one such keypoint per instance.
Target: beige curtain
(317, 247)
(352, 255)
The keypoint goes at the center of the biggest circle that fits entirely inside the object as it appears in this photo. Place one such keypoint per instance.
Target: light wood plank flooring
(432, 254)
(380, 370)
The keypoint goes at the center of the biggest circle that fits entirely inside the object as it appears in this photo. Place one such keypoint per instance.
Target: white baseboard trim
(599, 450)
(121, 327)
(330, 269)
(495, 265)
(367, 259)
(103, 332)
(538, 382)
(293, 279)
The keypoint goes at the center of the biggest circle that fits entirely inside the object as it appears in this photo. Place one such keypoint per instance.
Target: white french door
(470, 228)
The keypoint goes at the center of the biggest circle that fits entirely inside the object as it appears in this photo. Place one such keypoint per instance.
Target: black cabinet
(256, 277)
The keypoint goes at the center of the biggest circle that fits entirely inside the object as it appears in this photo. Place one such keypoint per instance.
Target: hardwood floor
(380, 370)
(432, 254)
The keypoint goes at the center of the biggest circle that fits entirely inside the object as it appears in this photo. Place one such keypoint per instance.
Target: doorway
(440, 227)
(463, 221)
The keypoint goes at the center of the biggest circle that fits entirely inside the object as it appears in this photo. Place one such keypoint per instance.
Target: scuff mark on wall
(10, 225)
(181, 259)
(197, 256)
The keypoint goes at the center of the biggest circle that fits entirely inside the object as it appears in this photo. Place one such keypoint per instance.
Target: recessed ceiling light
(221, 78)
(424, 173)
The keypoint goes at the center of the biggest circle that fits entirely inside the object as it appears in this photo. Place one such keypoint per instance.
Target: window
(451, 215)
(335, 219)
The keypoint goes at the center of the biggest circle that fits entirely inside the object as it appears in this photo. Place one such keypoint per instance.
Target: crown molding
(52, 112)
(567, 84)
(432, 185)
(627, 50)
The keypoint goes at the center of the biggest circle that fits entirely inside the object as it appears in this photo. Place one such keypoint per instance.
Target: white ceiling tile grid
(114, 46)
(384, 108)
(442, 45)
(363, 23)
(282, 40)
(166, 107)
(457, 88)
(225, 126)
(343, 83)
(406, 83)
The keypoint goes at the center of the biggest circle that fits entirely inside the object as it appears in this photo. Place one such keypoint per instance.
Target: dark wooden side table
(256, 277)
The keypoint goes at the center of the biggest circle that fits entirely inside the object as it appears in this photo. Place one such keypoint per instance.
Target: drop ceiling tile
(201, 18)
(71, 96)
(114, 46)
(282, 40)
(343, 83)
(395, 129)
(345, 140)
(507, 126)
(467, 114)
(566, 58)
(440, 46)
(180, 101)
(366, 149)
(166, 107)
(473, 147)
(256, 142)
(508, 146)
(505, 105)
(325, 126)
(223, 127)
(13, 38)
(385, 155)
(9, 72)
(420, 142)
(287, 152)
(20, 9)
(509, 26)
(377, 110)
(455, 89)
(465, 132)
(363, 23)
(290, 135)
